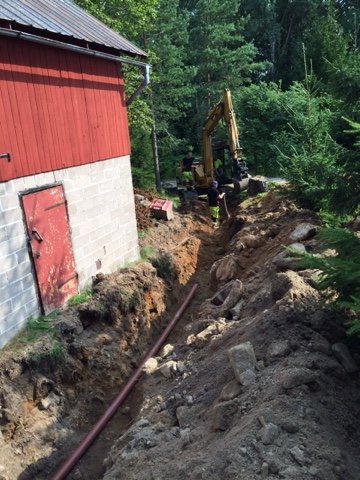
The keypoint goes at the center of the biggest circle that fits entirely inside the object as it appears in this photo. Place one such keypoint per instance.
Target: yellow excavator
(204, 172)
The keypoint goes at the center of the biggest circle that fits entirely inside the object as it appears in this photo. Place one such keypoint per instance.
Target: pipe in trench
(85, 444)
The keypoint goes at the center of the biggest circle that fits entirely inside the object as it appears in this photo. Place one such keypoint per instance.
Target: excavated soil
(252, 383)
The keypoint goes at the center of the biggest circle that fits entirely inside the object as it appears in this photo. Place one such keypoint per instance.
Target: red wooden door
(48, 231)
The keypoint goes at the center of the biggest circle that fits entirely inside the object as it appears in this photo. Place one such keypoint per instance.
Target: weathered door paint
(50, 245)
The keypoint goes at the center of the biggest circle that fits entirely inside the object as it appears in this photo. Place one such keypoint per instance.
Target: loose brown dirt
(297, 419)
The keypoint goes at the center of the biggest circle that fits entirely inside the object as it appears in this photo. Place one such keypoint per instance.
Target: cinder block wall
(103, 230)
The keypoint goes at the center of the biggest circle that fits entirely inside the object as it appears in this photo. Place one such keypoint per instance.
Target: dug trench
(256, 381)
(53, 389)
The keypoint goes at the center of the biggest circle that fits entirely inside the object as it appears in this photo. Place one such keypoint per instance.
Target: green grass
(80, 298)
(146, 253)
(50, 357)
(36, 328)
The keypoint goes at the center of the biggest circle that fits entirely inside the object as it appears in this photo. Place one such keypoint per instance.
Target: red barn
(66, 200)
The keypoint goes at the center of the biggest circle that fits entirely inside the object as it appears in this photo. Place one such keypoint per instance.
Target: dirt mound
(256, 382)
(54, 388)
(257, 388)
(143, 201)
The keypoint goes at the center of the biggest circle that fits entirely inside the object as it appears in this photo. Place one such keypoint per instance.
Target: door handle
(36, 235)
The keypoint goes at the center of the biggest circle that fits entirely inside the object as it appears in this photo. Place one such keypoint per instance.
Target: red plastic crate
(162, 209)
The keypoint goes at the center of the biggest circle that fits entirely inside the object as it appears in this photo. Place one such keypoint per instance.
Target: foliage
(255, 48)
(172, 85)
(355, 129)
(37, 328)
(309, 156)
(339, 272)
(261, 115)
(39, 337)
(146, 253)
(80, 298)
(47, 358)
(141, 158)
(220, 54)
(331, 219)
(128, 17)
(347, 198)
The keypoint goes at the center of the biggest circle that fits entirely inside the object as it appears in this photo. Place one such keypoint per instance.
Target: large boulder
(223, 301)
(256, 185)
(224, 270)
(302, 232)
(285, 261)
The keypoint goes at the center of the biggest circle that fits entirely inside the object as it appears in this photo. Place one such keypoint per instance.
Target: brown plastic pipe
(85, 444)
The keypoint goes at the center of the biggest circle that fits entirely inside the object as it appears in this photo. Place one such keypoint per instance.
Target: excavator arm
(222, 110)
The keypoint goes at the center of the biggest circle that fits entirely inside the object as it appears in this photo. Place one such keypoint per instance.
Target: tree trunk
(155, 154)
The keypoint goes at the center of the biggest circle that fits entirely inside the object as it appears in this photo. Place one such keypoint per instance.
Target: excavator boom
(203, 173)
(222, 110)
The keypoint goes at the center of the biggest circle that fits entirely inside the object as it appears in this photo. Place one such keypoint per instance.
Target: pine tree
(309, 156)
(220, 55)
(172, 78)
(340, 272)
(339, 276)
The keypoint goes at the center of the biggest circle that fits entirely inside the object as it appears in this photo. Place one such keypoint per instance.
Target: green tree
(172, 80)
(262, 116)
(309, 156)
(340, 272)
(220, 54)
(130, 18)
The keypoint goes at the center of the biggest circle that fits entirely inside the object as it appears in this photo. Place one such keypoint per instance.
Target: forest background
(293, 68)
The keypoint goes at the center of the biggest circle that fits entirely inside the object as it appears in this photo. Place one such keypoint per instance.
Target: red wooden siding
(58, 109)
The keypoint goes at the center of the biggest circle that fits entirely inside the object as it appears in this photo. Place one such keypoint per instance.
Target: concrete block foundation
(102, 223)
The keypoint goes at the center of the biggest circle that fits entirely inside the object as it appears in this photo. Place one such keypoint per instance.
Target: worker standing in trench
(214, 197)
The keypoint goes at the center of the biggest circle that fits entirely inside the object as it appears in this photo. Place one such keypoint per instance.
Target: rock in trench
(304, 231)
(298, 455)
(230, 391)
(294, 377)
(224, 270)
(223, 414)
(269, 434)
(343, 355)
(168, 368)
(278, 349)
(248, 377)
(242, 358)
(150, 366)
